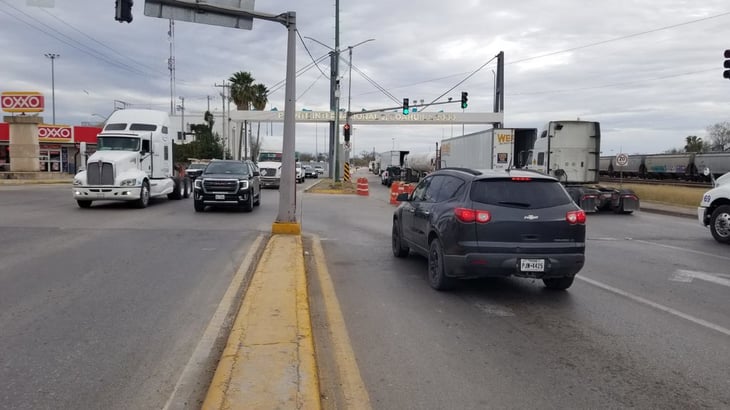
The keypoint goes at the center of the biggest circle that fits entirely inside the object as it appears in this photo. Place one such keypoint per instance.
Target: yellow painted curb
(269, 360)
(286, 228)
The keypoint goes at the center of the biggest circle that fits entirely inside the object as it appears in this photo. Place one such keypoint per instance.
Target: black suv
(491, 223)
(228, 183)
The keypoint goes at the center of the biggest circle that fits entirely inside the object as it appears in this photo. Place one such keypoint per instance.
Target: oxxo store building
(58, 147)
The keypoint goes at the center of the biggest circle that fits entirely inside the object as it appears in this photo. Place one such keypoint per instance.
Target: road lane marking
(194, 370)
(687, 276)
(677, 248)
(353, 388)
(657, 306)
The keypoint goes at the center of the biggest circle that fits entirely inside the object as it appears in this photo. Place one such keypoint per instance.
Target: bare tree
(720, 136)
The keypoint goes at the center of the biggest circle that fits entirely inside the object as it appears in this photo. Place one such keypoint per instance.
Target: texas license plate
(219, 197)
(532, 265)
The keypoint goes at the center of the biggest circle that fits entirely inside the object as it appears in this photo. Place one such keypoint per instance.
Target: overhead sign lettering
(22, 101)
(385, 118)
(54, 133)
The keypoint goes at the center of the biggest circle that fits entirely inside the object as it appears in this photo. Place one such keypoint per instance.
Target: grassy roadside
(672, 195)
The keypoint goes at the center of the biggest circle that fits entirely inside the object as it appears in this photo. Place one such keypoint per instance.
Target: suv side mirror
(256, 173)
(403, 197)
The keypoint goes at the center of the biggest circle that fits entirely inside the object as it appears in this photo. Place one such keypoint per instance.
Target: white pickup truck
(714, 209)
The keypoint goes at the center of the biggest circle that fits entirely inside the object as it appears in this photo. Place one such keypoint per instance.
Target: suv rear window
(533, 194)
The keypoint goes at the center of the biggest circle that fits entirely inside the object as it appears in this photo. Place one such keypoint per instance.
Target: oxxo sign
(22, 101)
(55, 133)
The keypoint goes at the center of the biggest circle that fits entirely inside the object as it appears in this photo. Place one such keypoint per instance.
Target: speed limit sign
(622, 160)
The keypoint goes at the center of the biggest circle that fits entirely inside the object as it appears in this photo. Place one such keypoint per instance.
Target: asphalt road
(103, 307)
(647, 325)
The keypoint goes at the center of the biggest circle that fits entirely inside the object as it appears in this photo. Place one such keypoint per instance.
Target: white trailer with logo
(498, 148)
(133, 162)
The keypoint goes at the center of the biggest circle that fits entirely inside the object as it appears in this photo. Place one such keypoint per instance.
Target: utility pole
(171, 64)
(53, 57)
(224, 124)
(182, 118)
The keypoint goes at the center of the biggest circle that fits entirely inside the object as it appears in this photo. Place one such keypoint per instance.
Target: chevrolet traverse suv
(491, 223)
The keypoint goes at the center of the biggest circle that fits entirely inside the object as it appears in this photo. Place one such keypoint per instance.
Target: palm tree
(260, 99)
(242, 90)
(693, 144)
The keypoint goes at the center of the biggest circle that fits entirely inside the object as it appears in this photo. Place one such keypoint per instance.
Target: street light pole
(53, 57)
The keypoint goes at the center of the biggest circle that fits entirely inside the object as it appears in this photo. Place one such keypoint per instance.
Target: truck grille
(100, 173)
(268, 172)
(220, 185)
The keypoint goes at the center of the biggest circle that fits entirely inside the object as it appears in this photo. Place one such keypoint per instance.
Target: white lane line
(657, 306)
(678, 248)
(687, 276)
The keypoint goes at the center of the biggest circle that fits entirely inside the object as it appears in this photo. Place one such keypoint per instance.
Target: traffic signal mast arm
(349, 114)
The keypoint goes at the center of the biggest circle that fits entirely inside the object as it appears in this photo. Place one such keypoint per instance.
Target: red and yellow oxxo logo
(55, 133)
(22, 101)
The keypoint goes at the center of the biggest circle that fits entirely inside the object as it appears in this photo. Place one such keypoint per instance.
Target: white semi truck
(714, 209)
(269, 161)
(133, 162)
(570, 151)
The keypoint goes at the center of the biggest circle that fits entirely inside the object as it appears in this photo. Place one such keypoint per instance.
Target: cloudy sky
(650, 72)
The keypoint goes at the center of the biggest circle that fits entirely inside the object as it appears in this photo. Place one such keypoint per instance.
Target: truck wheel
(720, 224)
(144, 196)
(83, 204)
(436, 270)
(178, 190)
(199, 205)
(558, 283)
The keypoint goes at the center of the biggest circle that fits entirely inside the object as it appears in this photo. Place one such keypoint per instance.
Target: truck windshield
(237, 168)
(270, 157)
(117, 144)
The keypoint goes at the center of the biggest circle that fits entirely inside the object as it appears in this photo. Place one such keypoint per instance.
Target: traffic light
(726, 73)
(123, 10)
(346, 130)
(464, 99)
(406, 108)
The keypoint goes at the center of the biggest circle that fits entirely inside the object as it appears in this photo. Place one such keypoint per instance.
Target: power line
(310, 54)
(459, 83)
(99, 42)
(93, 53)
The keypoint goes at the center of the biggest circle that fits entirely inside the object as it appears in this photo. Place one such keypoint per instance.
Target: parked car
(310, 172)
(491, 223)
(319, 169)
(228, 183)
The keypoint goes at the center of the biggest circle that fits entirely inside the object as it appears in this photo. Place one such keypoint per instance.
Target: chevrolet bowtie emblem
(531, 217)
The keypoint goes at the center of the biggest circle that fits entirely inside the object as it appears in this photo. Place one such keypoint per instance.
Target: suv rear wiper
(521, 204)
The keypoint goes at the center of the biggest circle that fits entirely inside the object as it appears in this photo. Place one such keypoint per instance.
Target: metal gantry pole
(287, 190)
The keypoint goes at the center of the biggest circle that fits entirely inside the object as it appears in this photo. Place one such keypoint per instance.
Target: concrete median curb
(269, 360)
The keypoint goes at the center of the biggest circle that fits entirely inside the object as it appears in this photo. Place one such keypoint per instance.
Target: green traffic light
(406, 111)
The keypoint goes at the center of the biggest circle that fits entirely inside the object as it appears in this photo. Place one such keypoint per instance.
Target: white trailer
(133, 162)
(391, 166)
(498, 148)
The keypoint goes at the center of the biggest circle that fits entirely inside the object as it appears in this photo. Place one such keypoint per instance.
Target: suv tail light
(576, 217)
(472, 215)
